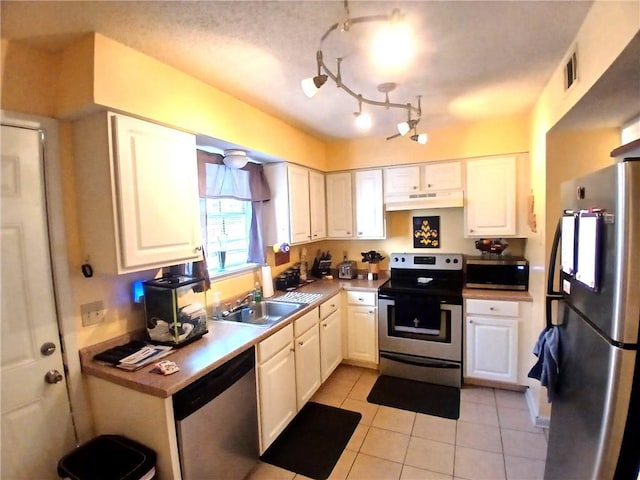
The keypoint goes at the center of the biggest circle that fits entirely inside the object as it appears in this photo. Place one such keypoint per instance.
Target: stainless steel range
(420, 318)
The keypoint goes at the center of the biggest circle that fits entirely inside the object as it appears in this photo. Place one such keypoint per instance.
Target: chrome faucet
(244, 301)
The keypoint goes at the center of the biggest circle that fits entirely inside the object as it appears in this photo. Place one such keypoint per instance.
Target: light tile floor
(493, 438)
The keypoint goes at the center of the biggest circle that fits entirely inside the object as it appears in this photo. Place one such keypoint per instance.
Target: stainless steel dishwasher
(217, 422)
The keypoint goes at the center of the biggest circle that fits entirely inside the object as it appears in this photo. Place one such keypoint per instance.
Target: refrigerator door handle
(553, 295)
(555, 247)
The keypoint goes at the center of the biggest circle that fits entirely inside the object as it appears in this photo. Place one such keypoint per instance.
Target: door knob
(48, 348)
(53, 376)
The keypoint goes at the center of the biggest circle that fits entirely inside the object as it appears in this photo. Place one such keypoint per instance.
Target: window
(225, 223)
(231, 206)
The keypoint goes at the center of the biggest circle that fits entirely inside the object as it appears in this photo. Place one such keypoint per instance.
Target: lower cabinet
(276, 384)
(330, 335)
(362, 327)
(492, 340)
(307, 355)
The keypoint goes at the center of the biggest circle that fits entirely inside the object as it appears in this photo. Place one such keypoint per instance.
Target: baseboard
(493, 384)
(537, 420)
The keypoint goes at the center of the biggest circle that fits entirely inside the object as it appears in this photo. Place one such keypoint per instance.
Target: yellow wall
(606, 31)
(29, 80)
(490, 137)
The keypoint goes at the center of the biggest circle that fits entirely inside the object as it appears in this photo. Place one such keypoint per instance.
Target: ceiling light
(393, 46)
(421, 138)
(406, 127)
(363, 120)
(395, 25)
(311, 85)
(235, 158)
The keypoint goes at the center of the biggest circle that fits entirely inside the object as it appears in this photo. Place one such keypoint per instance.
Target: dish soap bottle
(257, 293)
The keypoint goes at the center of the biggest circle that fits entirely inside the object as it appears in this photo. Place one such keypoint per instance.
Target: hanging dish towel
(547, 368)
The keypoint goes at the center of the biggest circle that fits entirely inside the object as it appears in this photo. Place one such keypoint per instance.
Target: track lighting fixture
(311, 85)
(363, 120)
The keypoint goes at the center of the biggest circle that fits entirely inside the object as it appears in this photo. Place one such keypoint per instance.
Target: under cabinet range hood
(420, 200)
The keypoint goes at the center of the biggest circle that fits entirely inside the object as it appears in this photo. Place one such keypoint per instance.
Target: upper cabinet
(296, 213)
(495, 197)
(426, 185)
(339, 205)
(137, 188)
(442, 176)
(369, 204)
(317, 206)
(360, 193)
(399, 180)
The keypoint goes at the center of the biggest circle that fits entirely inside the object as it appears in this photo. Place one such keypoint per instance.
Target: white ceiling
(475, 59)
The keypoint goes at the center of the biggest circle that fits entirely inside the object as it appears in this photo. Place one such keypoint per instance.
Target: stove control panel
(418, 261)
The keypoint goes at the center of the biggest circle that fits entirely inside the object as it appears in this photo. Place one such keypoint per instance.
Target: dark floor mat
(314, 440)
(421, 397)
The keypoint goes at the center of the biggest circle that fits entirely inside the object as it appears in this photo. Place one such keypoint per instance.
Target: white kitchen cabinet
(317, 206)
(137, 188)
(276, 383)
(369, 204)
(362, 327)
(330, 335)
(490, 197)
(307, 355)
(339, 205)
(492, 340)
(299, 209)
(296, 211)
(398, 180)
(442, 176)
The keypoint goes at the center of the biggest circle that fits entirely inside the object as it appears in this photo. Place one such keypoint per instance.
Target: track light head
(311, 85)
(421, 138)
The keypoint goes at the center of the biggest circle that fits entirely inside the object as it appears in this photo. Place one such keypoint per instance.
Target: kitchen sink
(264, 314)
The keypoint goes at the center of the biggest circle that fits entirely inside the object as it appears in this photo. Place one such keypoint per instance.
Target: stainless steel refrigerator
(595, 409)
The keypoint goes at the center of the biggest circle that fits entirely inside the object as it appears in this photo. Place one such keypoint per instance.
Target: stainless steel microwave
(501, 273)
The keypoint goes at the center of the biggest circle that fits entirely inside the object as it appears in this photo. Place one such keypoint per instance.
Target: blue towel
(547, 368)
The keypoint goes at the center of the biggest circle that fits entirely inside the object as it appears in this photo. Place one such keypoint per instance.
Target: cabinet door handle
(300, 343)
(198, 249)
(491, 308)
(470, 321)
(370, 311)
(324, 325)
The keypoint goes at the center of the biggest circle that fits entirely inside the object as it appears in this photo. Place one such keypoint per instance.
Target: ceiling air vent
(571, 71)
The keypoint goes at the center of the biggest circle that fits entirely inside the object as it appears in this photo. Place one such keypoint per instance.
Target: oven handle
(420, 363)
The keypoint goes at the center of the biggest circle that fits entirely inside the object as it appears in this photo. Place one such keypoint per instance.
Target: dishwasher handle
(196, 395)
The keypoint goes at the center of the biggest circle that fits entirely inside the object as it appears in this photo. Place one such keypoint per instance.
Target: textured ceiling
(474, 59)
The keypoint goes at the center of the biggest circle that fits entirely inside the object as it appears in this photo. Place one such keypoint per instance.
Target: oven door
(420, 326)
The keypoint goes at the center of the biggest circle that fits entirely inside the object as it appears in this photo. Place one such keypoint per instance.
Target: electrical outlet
(93, 313)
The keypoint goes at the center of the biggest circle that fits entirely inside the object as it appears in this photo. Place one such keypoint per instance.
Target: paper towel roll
(267, 282)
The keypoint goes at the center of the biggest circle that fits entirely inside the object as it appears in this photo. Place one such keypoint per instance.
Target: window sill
(233, 272)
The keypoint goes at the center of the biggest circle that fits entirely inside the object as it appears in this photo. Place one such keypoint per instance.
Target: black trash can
(109, 457)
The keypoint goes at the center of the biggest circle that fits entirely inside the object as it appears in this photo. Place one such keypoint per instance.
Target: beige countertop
(224, 341)
(480, 294)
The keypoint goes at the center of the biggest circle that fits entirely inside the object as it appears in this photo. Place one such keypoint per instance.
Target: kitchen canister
(267, 282)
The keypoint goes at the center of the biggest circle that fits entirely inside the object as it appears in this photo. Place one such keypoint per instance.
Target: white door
(37, 429)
